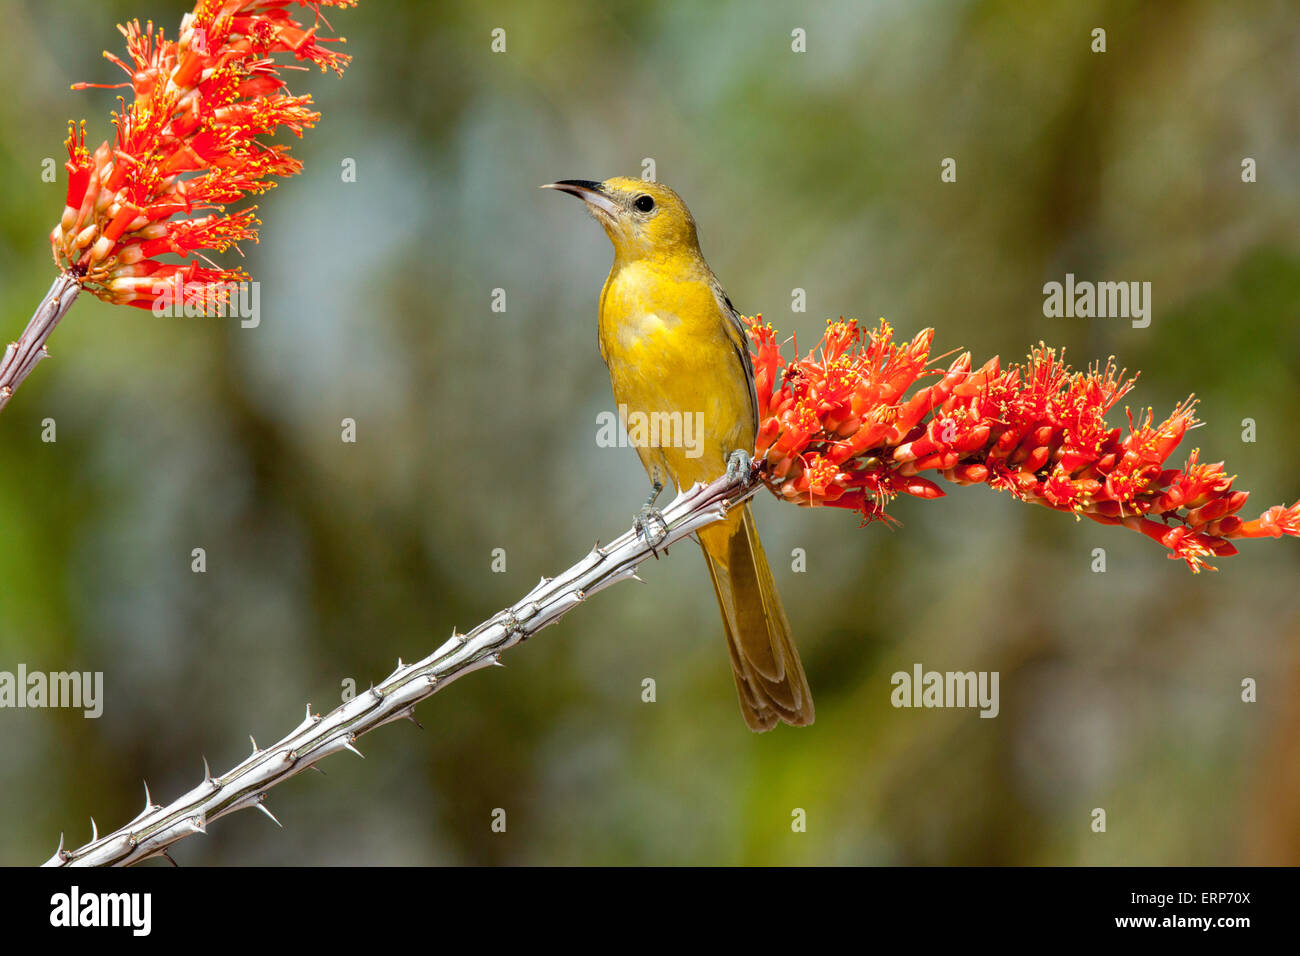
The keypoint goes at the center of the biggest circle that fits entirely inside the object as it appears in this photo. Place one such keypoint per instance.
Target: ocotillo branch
(246, 784)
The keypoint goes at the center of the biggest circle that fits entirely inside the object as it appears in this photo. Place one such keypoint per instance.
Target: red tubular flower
(835, 429)
(188, 144)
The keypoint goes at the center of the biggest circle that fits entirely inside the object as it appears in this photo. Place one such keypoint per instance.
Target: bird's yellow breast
(666, 339)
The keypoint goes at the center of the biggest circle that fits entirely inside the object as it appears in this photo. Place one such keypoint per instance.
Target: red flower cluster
(836, 429)
(187, 145)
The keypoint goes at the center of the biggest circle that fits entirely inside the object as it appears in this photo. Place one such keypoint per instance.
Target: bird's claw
(645, 524)
(740, 465)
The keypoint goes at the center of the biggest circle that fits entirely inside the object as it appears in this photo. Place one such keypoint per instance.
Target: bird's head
(642, 219)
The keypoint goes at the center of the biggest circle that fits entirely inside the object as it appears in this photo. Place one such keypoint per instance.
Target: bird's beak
(592, 193)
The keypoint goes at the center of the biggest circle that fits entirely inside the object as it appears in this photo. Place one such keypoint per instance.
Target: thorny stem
(21, 356)
(158, 827)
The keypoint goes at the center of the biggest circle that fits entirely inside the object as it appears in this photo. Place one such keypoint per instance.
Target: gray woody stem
(21, 356)
(156, 828)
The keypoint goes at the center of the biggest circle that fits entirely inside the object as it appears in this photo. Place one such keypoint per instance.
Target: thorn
(61, 853)
(148, 801)
(347, 744)
(170, 860)
(496, 660)
(207, 772)
(636, 577)
(262, 806)
(374, 693)
(400, 665)
(317, 769)
(94, 830)
(410, 715)
(309, 713)
(250, 737)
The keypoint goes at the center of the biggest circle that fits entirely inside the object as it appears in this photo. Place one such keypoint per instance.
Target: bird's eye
(644, 203)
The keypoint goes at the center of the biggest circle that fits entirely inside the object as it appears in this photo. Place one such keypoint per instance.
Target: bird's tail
(769, 678)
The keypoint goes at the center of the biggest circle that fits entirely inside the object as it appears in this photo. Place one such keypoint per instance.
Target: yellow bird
(676, 351)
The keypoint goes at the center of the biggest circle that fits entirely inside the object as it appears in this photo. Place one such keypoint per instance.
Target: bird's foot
(651, 525)
(740, 465)
(650, 522)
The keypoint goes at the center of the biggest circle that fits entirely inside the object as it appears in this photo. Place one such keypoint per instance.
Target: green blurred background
(476, 431)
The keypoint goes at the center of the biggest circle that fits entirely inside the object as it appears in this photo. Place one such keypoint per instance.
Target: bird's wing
(739, 339)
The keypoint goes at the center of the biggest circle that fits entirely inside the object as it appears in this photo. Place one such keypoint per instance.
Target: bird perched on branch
(677, 353)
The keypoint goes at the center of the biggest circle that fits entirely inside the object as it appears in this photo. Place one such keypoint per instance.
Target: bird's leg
(649, 516)
(739, 464)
